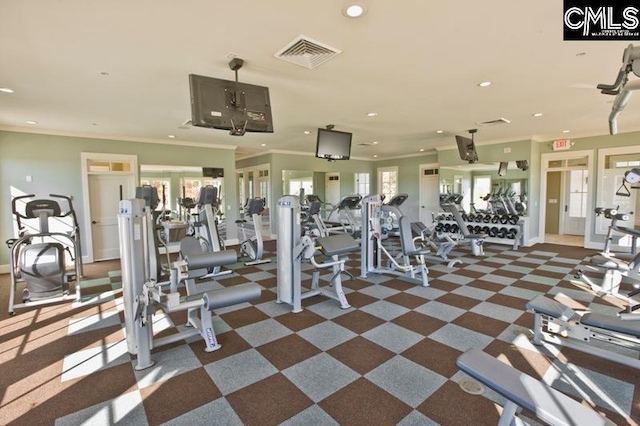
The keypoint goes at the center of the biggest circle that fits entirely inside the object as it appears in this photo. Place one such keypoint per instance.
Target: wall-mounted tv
(229, 105)
(333, 145)
(467, 149)
(502, 170)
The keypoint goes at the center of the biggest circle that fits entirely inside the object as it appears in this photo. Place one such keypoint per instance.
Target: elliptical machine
(252, 244)
(38, 258)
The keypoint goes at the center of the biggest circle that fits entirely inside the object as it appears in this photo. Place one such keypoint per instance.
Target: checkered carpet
(390, 359)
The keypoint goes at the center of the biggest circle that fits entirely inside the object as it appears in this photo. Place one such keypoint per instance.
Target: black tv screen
(227, 105)
(333, 144)
(467, 149)
(213, 172)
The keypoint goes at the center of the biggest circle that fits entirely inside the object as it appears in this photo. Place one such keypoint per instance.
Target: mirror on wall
(298, 182)
(487, 187)
(179, 188)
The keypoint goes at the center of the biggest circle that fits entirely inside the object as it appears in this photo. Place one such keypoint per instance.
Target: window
(362, 185)
(388, 181)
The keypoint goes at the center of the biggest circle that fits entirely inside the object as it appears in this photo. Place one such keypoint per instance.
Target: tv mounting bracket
(235, 64)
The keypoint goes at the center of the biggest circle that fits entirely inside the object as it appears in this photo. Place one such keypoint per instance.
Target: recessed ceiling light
(172, 136)
(439, 132)
(566, 131)
(263, 144)
(537, 114)
(306, 132)
(354, 10)
(31, 122)
(372, 114)
(484, 84)
(6, 90)
(421, 149)
(375, 156)
(375, 142)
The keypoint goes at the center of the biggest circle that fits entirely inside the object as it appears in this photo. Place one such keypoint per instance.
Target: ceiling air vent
(306, 52)
(500, 120)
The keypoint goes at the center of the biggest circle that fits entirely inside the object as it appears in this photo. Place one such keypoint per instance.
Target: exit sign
(561, 144)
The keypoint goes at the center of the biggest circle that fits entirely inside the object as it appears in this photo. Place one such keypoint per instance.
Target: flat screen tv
(467, 149)
(502, 170)
(213, 172)
(227, 105)
(333, 145)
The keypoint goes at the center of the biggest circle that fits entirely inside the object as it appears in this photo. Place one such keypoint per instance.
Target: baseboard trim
(4, 269)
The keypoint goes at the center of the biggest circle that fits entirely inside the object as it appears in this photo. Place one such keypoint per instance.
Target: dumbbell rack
(500, 229)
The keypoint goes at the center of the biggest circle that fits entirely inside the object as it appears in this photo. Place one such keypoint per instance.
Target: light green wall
(408, 180)
(54, 164)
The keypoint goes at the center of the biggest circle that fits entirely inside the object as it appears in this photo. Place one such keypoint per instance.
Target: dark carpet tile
(242, 317)
(358, 321)
(420, 323)
(168, 399)
(300, 320)
(458, 301)
(452, 406)
(363, 403)
(482, 324)
(288, 351)
(435, 356)
(230, 341)
(407, 300)
(360, 354)
(269, 401)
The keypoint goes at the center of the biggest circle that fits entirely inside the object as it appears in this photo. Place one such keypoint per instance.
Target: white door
(105, 192)
(332, 189)
(429, 198)
(575, 201)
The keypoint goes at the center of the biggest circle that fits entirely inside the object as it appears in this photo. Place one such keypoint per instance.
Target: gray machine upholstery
(522, 390)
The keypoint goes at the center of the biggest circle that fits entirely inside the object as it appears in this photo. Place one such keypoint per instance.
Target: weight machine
(293, 248)
(372, 249)
(143, 296)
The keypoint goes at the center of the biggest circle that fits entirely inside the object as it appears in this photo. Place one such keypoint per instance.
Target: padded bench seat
(520, 389)
(335, 245)
(607, 322)
(609, 262)
(550, 307)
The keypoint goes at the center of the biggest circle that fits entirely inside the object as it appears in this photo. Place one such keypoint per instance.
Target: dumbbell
(470, 228)
(470, 218)
(477, 229)
(447, 227)
(502, 232)
(485, 229)
(495, 219)
(479, 218)
(504, 219)
(511, 234)
(493, 231)
(455, 228)
(439, 227)
(487, 218)
(464, 217)
(513, 219)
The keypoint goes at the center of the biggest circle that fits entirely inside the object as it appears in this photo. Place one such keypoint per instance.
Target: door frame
(544, 168)
(85, 158)
(421, 169)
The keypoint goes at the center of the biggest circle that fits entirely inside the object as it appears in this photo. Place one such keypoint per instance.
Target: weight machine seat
(609, 262)
(548, 404)
(406, 239)
(552, 308)
(335, 245)
(475, 236)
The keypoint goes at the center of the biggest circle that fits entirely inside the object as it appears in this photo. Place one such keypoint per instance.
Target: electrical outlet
(29, 178)
(507, 150)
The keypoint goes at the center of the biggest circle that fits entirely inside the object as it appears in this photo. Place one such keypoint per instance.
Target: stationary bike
(252, 245)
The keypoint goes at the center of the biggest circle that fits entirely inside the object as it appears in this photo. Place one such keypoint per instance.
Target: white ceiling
(416, 63)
